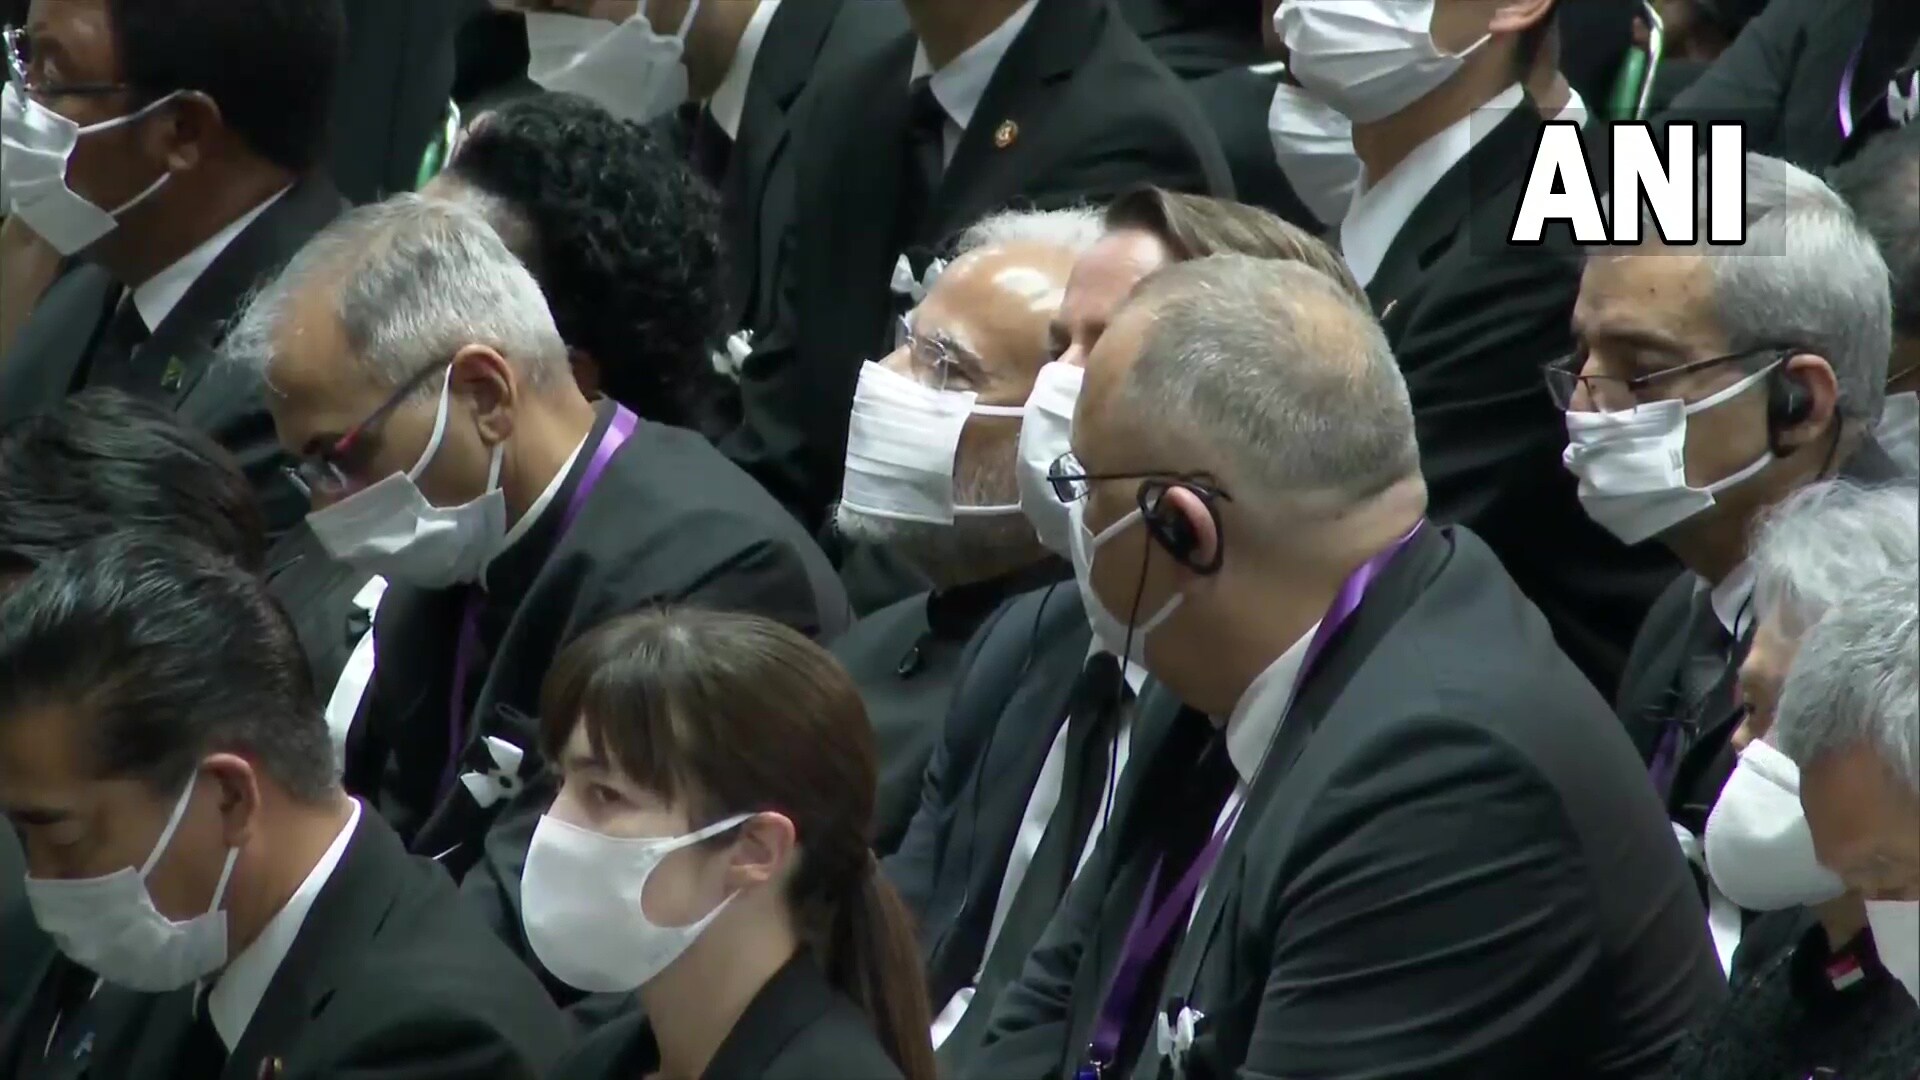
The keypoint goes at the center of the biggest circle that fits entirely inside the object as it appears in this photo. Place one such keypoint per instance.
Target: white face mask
(35, 146)
(1899, 430)
(1896, 937)
(580, 905)
(1314, 144)
(109, 925)
(390, 529)
(1367, 58)
(901, 443)
(629, 69)
(1632, 464)
(1759, 849)
(1110, 629)
(1045, 434)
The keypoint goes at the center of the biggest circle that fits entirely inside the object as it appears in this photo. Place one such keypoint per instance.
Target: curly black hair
(623, 238)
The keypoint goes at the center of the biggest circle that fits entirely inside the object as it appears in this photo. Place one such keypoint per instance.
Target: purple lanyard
(1153, 924)
(1846, 89)
(618, 432)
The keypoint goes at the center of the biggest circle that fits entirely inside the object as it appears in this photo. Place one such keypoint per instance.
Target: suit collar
(729, 100)
(160, 294)
(954, 614)
(796, 996)
(513, 571)
(799, 30)
(962, 83)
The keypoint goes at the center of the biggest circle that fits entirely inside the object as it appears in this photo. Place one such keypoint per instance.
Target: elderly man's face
(1865, 823)
(1101, 281)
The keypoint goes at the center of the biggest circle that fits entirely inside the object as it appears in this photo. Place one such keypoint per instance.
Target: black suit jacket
(50, 357)
(798, 1027)
(1473, 321)
(392, 92)
(390, 976)
(671, 522)
(1236, 101)
(1449, 866)
(1083, 111)
(1197, 38)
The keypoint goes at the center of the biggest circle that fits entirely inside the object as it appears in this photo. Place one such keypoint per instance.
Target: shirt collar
(1576, 108)
(1381, 210)
(539, 507)
(237, 993)
(1260, 711)
(729, 99)
(961, 84)
(160, 294)
(1732, 600)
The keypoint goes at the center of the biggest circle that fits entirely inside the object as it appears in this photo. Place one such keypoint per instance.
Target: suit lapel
(51, 348)
(133, 1031)
(36, 969)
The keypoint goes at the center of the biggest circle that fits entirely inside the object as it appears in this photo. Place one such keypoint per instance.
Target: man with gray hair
(1707, 385)
(1373, 771)
(415, 374)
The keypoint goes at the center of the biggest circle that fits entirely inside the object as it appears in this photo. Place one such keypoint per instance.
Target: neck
(713, 43)
(1384, 144)
(545, 435)
(291, 845)
(1550, 91)
(173, 223)
(1714, 545)
(1842, 919)
(695, 1003)
(947, 28)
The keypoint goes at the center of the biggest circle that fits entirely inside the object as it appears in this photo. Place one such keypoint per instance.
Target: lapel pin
(170, 377)
(1388, 310)
(1005, 135)
(272, 1069)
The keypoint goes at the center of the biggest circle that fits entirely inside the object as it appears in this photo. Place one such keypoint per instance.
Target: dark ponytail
(874, 958)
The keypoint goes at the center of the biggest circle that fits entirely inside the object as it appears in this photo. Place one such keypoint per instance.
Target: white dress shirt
(729, 99)
(1732, 606)
(1380, 210)
(1576, 108)
(539, 508)
(238, 990)
(344, 703)
(1733, 600)
(1033, 826)
(160, 294)
(960, 85)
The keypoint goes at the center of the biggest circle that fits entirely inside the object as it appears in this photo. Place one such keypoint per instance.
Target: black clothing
(392, 92)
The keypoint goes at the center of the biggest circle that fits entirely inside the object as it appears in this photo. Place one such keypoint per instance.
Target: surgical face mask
(1045, 435)
(1113, 631)
(581, 909)
(36, 145)
(1899, 430)
(629, 69)
(1367, 58)
(109, 925)
(1314, 145)
(1896, 937)
(1632, 464)
(901, 443)
(390, 529)
(1759, 849)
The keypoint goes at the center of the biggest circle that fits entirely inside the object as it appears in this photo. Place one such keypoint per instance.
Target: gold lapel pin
(1005, 135)
(170, 377)
(272, 1069)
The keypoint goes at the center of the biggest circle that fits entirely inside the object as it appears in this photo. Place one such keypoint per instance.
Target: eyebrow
(39, 816)
(577, 762)
(1637, 337)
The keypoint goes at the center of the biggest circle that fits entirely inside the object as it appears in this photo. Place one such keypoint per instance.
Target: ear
(1815, 378)
(1519, 16)
(1186, 503)
(239, 803)
(484, 377)
(182, 132)
(762, 852)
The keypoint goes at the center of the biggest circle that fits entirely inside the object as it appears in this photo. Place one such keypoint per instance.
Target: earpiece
(1172, 531)
(1789, 404)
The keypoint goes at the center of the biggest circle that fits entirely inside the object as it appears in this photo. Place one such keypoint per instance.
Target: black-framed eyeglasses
(1071, 482)
(17, 44)
(325, 471)
(1564, 379)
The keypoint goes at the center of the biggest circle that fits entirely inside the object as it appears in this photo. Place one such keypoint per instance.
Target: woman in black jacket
(708, 850)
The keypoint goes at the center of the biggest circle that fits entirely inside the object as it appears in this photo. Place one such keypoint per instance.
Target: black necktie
(925, 161)
(1098, 698)
(112, 361)
(202, 1054)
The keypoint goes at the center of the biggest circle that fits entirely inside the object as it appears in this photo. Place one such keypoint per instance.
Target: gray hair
(1809, 276)
(1856, 682)
(1073, 230)
(1882, 185)
(1283, 373)
(1818, 548)
(414, 280)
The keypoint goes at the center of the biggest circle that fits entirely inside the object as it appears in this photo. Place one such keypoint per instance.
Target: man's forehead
(40, 751)
(81, 29)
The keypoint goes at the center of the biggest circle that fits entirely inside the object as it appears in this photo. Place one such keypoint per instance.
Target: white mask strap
(226, 874)
(686, 22)
(1723, 396)
(1112, 531)
(122, 121)
(439, 431)
(173, 822)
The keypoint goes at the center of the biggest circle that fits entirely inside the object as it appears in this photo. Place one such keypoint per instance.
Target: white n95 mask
(1112, 631)
(1313, 143)
(36, 144)
(1896, 937)
(901, 442)
(580, 905)
(1367, 58)
(109, 925)
(390, 529)
(629, 69)
(1045, 434)
(1632, 464)
(1759, 849)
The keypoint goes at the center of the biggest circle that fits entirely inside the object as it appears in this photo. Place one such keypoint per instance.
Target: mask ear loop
(173, 824)
(439, 431)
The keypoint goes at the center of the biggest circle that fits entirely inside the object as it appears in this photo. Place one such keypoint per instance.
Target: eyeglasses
(324, 471)
(1564, 379)
(933, 353)
(18, 47)
(1071, 482)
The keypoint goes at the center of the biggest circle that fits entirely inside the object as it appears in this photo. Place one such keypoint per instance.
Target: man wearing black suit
(158, 731)
(1446, 147)
(390, 102)
(210, 181)
(1778, 353)
(983, 105)
(1395, 833)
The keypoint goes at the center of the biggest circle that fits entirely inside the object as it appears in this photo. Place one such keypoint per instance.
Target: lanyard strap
(467, 653)
(1153, 924)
